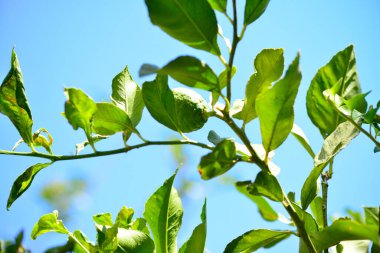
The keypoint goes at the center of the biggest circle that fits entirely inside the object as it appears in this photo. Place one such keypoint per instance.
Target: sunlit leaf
(49, 223)
(372, 215)
(23, 182)
(219, 5)
(126, 94)
(13, 101)
(82, 239)
(316, 208)
(102, 219)
(254, 240)
(253, 10)
(163, 212)
(266, 185)
(219, 161)
(266, 211)
(301, 138)
(107, 238)
(134, 241)
(274, 108)
(124, 217)
(192, 22)
(197, 241)
(342, 67)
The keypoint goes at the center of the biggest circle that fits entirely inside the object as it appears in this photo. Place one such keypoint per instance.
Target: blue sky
(85, 44)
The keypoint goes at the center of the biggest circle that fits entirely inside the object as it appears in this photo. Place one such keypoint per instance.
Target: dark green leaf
(79, 110)
(191, 72)
(13, 101)
(134, 241)
(126, 94)
(124, 217)
(269, 65)
(253, 10)
(192, 22)
(23, 182)
(110, 119)
(265, 209)
(219, 5)
(102, 219)
(301, 138)
(274, 108)
(49, 223)
(342, 67)
(254, 240)
(219, 161)
(342, 230)
(339, 248)
(310, 189)
(197, 241)
(163, 212)
(266, 185)
(316, 209)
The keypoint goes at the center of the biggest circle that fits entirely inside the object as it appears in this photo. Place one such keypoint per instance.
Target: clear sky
(85, 44)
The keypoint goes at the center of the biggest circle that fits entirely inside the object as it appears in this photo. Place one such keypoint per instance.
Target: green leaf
(13, 101)
(316, 209)
(134, 241)
(79, 110)
(180, 109)
(372, 215)
(253, 10)
(95, 138)
(140, 225)
(197, 241)
(274, 108)
(192, 22)
(255, 239)
(49, 223)
(357, 102)
(219, 5)
(219, 161)
(41, 141)
(103, 219)
(126, 95)
(342, 230)
(107, 238)
(301, 138)
(110, 119)
(266, 185)
(336, 141)
(124, 217)
(310, 188)
(223, 77)
(269, 65)
(82, 239)
(265, 210)
(23, 182)
(163, 212)
(342, 67)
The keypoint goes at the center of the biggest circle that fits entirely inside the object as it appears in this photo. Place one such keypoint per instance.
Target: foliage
(335, 105)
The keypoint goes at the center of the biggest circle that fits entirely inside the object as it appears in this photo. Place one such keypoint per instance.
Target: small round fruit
(134, 241)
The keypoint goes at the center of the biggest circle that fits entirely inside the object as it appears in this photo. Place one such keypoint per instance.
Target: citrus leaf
(163, 212)
(301, 138)
(274, 108)
(265, 210)
(49, 223)
(269, 65)
(192, 22)
(253, 10)
(372, 215)
(219, 161)
(82, 239)
(124, 217)
(134, 241)
(266, 185)
(23, 182)
(197, 241)
(316, 209)
(13, 101)
(255, 239)
(310, 189)
(110, 119)
(107, 238)
(342, 67)
(126, 94)
(219, 5)
(102, 219)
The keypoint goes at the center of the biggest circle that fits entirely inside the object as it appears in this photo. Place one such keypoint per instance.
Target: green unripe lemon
(191, 110)
(134, 241)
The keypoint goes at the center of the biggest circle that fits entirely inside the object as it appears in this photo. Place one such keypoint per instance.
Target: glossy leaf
(126, 94)
(219, 161)
(342, 67)
(49, 223)
(255, 239)
(163, 212)
(134, 241)
(269, 65)
(302, 139)
(265, 210)
(79, 110)
(219, 5)
(316, 208)
(266, 185)
(192, 22)
(124, 217)
(110, 119)
(253, 10)
(342, 230)
(13, 101)
(102, 219)
(23, 182)
(197, 241)
(140, 225)
(310, 188)
(274, 108)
